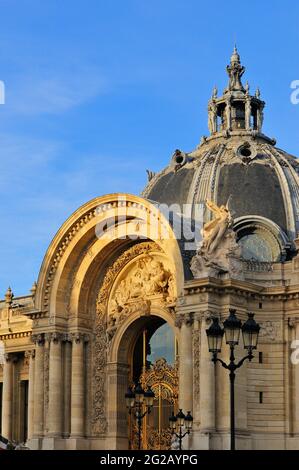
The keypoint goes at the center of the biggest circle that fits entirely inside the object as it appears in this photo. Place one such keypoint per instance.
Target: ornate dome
(239, 165)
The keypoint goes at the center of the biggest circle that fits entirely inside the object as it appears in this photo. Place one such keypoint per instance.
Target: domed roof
(239, 164)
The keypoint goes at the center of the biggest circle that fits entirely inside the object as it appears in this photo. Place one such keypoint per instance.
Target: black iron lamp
(149, 397)
(139, 403)
(178, 422)
(188, 421)
(215, 335)
(139, 393)
(130, 398)
(232, 327)
(250, 333)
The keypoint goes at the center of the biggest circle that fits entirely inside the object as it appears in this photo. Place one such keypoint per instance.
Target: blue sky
(98, 91)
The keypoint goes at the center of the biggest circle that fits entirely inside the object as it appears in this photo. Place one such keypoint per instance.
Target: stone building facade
(122, 297)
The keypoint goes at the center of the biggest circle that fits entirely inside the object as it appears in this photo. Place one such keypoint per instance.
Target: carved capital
(55, 337)
(30, 353)
(78, 337)
(292, 322)
(207, 317)
(179, 320)
(11, 357)
(38, 339)
(189, 318)
(184, 318)
(7, 357)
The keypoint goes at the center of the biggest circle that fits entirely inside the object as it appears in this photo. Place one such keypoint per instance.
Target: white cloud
(53, 92)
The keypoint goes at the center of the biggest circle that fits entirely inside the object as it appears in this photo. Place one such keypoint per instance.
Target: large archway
(142, 356)
(96, 280)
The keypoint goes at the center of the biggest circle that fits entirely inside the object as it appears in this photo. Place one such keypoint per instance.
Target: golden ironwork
(163, 380)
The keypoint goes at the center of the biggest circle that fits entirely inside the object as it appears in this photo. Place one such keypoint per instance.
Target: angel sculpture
(214, 230)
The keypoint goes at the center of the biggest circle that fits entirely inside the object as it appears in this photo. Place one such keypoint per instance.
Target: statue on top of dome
(235, 71)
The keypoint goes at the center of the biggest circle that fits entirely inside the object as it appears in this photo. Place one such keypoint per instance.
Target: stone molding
(79, 224)
(227, 287)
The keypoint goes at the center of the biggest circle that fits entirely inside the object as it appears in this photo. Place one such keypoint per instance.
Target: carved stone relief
(270, 331)
(196, 364)
(148, 278)
(124, 291)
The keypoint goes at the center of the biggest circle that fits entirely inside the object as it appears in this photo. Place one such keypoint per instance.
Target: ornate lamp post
(232, 327)
(139, 403)
(178, 422)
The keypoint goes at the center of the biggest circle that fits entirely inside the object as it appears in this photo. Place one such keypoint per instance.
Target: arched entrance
(153, 362)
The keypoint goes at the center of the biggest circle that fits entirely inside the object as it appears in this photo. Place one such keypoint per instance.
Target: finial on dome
(258, 93)
(235, 71)
(215, 92)
(235, 57)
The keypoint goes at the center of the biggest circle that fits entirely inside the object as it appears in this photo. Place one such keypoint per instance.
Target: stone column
(117, 383)
(7, 396)
(186, 363)
(185, 322)
(196, 370)
(67, 379)
(77, 389)
(55, 386)
(207, 381)
(38, 413)
(228, 114)
(31, 356)
(247, 112)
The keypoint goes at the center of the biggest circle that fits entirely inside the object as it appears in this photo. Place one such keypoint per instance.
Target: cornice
(22, 334)
(242, 288)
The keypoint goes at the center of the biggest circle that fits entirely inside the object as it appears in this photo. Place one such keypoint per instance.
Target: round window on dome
(179, 157)
(258, 244)
(245, 151)
(254, 247)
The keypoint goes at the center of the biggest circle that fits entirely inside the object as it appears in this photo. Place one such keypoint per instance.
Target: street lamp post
(136, 401)
(232, 327)
(178, 422)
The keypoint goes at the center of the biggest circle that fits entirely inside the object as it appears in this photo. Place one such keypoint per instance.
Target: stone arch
(107, 338)
(75, 267)
(118, 350)
(76, 245)
(273, 234)
(117, 372)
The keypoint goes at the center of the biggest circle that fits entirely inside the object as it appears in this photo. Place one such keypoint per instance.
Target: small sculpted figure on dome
(212, 117)
(214, 230)
(219, 251)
